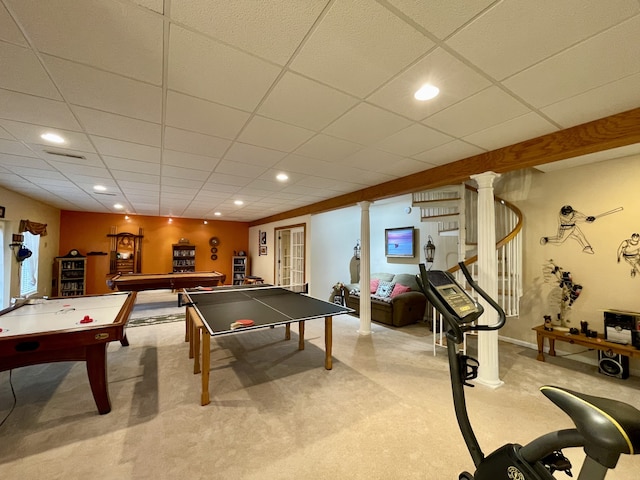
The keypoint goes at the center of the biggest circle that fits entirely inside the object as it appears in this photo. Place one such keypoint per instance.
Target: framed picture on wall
(263, 250)
(262, 237)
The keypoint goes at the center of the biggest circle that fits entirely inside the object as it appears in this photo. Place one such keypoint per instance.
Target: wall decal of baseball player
(629, 249)
(568, 220)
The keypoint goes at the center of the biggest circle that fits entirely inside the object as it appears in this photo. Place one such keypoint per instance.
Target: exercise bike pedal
(556, 461)
(465, 476)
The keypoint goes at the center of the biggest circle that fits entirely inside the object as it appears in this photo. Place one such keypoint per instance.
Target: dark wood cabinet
(184, 257)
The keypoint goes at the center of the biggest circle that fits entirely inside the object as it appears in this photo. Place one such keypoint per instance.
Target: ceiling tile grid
(183, 107)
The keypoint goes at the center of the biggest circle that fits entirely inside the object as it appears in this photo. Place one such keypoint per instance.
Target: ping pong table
(211, 312)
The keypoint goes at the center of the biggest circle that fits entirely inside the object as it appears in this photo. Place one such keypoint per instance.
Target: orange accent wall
(88, 232)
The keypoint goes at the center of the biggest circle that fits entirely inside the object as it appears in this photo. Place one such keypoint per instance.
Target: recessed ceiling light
(217, 214)
(282, 177)
(52, 137)
(118, 206)
(100, 188)
(426, 92)
(205, 222)
(239, 202)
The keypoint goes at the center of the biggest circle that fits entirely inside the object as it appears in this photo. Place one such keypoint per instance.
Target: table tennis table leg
(328, 340)
(301, 335)
(206, 359)
(287, 331)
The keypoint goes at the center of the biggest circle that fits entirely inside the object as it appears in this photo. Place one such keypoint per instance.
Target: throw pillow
(373, 285)
(385, 289)
(398, 289)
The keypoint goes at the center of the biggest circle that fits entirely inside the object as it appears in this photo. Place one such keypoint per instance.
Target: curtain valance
(33, 228)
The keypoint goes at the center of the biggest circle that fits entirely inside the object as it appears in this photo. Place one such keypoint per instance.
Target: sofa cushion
(373, 285)
(384, 289)
(384, 277)
(408, 280)
(398, 289)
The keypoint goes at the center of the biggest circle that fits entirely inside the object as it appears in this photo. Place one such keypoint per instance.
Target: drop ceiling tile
(527, 34)
(30, 134)
(449, 152)
(588, 65)
(35, 174)
(138, 187)
(328, 183)
(8, 160)
(155, 5)
(412, 140)
(37, 110)
(196, 143)
(264, 132)
(26, 74)
(189, 113)
(366, 124)
(11, 147)
(442, 17)
(134, 151)
(600, 102)
(371, 159)
(240, 169)
(182, 172)
(483, 110)
(264, 187)
(306, 165)
(512, 131)
(231, 180)
(197, 63)
(455, 80)
(127, 176)
(116, 126)
(189, 160)
(271, 30)
(4, 134)
(326, 147)
(97, 33)
(294, 97)
(9, 31)
(124, 164)
(245, 153)
(379, 44)
(74, 168)
(93, 88)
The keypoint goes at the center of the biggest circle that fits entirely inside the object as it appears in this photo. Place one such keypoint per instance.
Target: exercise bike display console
(604, 428)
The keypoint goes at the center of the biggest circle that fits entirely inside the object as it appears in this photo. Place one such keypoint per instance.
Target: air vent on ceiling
(105, 193)
(69, 155)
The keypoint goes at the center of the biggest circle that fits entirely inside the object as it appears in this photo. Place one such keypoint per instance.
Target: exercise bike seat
(608, 426)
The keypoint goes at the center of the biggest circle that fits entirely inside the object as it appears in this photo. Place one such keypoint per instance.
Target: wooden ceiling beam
(614, 131)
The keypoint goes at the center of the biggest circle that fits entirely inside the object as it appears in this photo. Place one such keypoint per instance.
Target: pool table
(66, 329)
(174, 281)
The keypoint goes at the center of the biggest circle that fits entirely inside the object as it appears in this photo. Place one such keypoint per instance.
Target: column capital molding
(485, 180)
(364, 205)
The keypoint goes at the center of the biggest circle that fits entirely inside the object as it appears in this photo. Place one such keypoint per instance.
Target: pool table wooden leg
(97, 372)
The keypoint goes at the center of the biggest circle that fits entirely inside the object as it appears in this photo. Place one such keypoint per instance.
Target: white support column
(488, 373)
(365, 270)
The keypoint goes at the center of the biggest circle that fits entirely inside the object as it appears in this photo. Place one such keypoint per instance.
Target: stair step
(439, 218)
(437, 202)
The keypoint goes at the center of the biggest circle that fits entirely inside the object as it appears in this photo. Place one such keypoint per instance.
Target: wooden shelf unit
(184, 257)
(239, 269)
(69, 276)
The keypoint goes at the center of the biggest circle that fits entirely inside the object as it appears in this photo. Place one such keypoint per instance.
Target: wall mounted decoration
(629, 249)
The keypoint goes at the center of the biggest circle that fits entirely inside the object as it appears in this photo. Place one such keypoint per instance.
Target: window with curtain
(29, 267)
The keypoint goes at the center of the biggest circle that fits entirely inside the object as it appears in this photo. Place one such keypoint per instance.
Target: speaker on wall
(613, 364)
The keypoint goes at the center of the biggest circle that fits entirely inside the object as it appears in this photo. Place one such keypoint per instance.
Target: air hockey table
(67, 329)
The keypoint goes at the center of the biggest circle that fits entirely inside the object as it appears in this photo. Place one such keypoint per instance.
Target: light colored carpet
(383, 412)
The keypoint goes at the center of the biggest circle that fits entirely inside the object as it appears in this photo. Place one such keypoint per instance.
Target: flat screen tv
(399, 242)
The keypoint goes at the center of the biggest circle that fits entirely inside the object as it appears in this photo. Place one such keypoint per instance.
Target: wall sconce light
(356, 250)
(429, 251)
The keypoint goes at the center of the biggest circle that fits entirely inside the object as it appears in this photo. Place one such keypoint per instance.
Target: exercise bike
(605, 428)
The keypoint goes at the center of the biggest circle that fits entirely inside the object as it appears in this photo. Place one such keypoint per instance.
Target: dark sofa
(399, 310)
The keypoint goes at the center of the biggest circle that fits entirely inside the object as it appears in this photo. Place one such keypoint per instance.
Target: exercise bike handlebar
(502, 318)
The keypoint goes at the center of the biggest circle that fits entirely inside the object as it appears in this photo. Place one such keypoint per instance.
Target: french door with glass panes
(291, 255)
